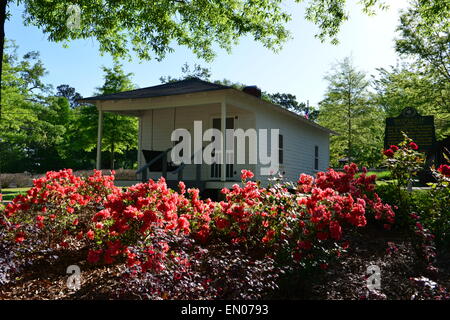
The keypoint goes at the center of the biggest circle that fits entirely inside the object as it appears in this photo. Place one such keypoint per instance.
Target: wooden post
(223, 125)
(99, 140)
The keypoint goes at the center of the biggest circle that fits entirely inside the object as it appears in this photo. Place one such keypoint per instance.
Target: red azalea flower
(393, 148)
(246, 174)
(20, 237)
(444, 169)
(90, 235)
(94, 256)
(413, 145)
(306, 245)
(389, 153)
(222, 223)
(269, 236)
(322, 236)
(414, 216)
(345, 245)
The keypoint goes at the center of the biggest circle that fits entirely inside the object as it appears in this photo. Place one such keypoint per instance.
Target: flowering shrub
(58, 208)
(304, 225)
(205, 248)
(404, 161)
(438, 215)
(134, 217)
(433, 205)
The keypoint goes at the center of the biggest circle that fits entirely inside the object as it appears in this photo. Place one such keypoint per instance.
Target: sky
(299, 68)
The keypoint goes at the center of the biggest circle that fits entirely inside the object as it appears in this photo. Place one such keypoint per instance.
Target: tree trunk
(3, 4)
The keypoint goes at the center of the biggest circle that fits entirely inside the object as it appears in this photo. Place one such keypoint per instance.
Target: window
(280, 148)
(216, 169)
(316, 157)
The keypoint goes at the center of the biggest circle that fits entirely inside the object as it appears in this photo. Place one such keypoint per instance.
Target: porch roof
(189, 86)
(167, 89)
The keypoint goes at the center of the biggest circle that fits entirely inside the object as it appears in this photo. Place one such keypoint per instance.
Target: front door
(216, 169)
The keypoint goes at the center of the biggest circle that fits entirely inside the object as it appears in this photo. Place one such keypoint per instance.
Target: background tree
(287, 101)
(424, 83)
(69, 93)
(151, 29)
(425, 36)
(197, 72)
(35, 122)
(409, 86)
(119, 132)
(347, 109)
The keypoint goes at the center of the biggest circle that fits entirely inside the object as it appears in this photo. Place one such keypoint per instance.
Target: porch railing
(144, 168)
(163, 155)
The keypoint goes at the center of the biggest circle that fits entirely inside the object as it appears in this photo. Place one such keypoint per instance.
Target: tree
(347, 110)
(425, 35)
(409, 86)
(287, 101)
(119, 132)
(197, 72)
(424, 83)
(34, 123)
(150, 29)
(69, 93)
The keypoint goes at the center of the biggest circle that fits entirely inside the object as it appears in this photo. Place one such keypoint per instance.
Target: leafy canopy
(152, 28)
(348, 110)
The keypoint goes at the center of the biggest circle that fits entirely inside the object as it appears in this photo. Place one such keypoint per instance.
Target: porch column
(224, 140)
(99, 140)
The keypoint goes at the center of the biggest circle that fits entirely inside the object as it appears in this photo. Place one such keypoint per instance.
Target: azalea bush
(135, 217)
(438, 215)
(404, 161)
(300, 226)
(58, 209)
(176, 245)
(431, 206)
(305, 225)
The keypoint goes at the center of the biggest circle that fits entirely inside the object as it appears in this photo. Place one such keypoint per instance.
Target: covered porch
(159, 116)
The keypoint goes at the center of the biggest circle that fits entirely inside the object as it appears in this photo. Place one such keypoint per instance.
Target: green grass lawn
(11, 193)
(381, 175)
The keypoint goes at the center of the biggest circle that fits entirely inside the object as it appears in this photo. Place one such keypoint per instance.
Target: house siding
(158, 124)
(299, 141)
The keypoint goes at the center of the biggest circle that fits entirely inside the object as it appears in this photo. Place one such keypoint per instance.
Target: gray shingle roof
(167, 89)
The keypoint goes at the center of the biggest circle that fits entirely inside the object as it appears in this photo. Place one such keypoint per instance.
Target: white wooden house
(304, 145)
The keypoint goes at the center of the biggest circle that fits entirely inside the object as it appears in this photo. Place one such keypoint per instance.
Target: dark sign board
(417, 127)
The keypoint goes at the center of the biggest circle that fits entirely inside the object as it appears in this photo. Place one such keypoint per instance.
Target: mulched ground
(344, 279)
(347, 277)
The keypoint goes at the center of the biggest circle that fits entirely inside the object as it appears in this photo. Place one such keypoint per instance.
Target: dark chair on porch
(157, 166)
(156, 161)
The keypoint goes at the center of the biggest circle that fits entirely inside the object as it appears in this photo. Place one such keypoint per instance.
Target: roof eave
(290, 113)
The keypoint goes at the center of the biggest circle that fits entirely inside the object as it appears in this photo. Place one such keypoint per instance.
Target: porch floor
(202, 185)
